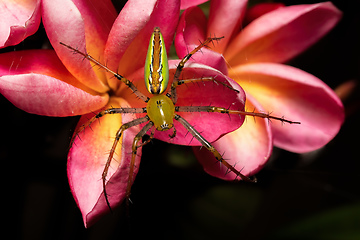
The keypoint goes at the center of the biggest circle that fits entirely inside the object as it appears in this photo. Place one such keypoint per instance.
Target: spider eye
(156, 64)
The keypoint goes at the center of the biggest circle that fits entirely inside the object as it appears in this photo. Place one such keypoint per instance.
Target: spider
(161, 109)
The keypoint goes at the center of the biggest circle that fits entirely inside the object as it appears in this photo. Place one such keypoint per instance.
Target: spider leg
(181, 66)
(213, 150)
(148, 140)
(173, 134)
(135, 146)
(204, 79)
(118, 76)
(103, 113)
(225, 110)
(113, 148)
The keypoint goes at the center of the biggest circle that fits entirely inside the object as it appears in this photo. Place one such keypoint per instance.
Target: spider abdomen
(161, 110)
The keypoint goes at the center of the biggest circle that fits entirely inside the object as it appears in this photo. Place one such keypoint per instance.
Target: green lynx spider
(161, 108)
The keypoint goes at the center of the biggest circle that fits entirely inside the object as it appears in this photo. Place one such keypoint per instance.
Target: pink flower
(255, 54)
(60, 83)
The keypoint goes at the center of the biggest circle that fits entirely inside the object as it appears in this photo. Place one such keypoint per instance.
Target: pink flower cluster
(59, 83)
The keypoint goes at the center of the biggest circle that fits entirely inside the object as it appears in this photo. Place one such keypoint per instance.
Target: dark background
(312, 196)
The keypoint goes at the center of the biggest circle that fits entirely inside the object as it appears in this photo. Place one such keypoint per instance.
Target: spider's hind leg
(135, 147)
(213, 150)
(112, 152)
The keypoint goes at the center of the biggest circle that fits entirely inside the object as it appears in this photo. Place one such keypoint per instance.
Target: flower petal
(190, 3)
(191, 30)
(128, 41)
(190, 33)
(247, 148)
(260, 9)
(282, 33)
(225, 19)
(87, 158)
(18, 21)
(133, 17)
(83, 26)
(210, 125)
(297, 95)
(37, 82)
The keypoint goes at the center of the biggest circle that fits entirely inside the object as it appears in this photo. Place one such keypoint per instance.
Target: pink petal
(298, 96)
(210, 125)
(128, 41)
(87, 158)
(133, 17)
(260, 9)
(247, 148)
(83, 26)
(225, 19)
(190, 33)
(191, 29)
(190, 3)
(18, 21)
(282, 33)
(37, 82)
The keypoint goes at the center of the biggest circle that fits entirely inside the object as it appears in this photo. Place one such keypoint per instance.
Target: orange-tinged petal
(298, 96)
(87, 158)
(282, 33)
(247, 148)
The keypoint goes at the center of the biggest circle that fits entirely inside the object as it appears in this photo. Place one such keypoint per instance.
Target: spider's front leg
(135, 147)
(176, 81)
(118, 76)
(205, 79)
